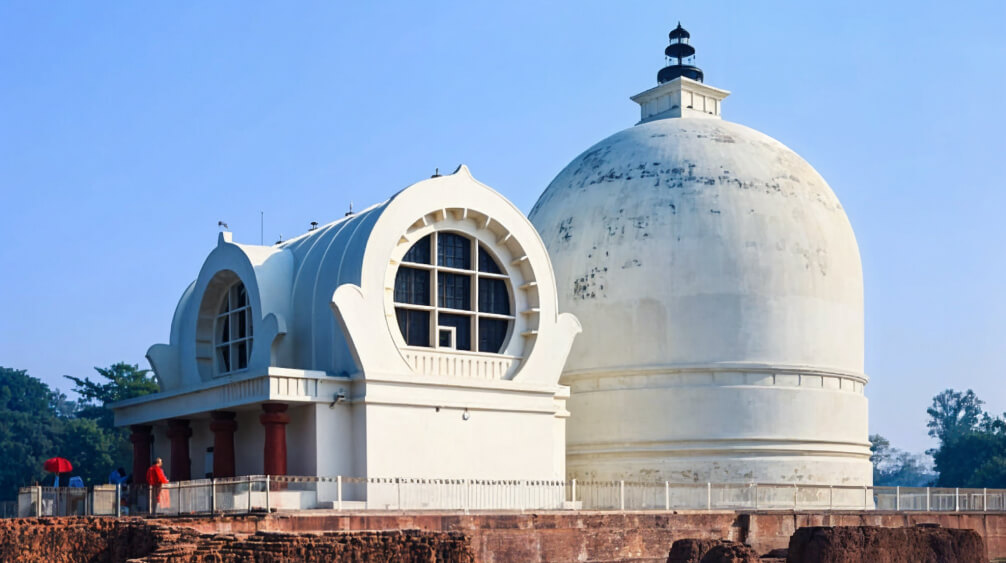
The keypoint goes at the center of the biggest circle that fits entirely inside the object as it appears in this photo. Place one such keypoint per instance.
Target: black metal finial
(679, 49)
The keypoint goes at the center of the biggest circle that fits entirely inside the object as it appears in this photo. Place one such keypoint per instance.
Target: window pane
(463, 326)
(492, 333)
(248, 320)
(415, 326)
(238, 321)
(242, 354)
(487, 264)
(412, 286)
(242, 295)
(493, 296)
(454, 251)
(224, 359)
(454, 291)
(420, 252)
(445, 338)
(224, 329)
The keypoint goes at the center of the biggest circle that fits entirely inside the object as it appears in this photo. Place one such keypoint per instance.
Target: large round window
(233, 330)
(451, 293)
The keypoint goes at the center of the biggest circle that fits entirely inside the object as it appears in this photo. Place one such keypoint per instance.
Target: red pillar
(141, 440)
(223, 426)
(274, 419)
(179, 433)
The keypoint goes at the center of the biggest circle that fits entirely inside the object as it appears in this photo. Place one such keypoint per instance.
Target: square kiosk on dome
(419, 338)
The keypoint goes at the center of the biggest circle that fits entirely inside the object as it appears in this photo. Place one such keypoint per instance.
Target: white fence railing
(260, 493)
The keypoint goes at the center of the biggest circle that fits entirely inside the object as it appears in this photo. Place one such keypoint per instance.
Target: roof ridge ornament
(680, 48)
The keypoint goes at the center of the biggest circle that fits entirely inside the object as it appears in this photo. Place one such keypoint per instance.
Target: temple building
(438, 334)
(417, 338)
(720, 289)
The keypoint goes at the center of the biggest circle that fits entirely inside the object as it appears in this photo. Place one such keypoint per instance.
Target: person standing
(117, 477)
(155, 480)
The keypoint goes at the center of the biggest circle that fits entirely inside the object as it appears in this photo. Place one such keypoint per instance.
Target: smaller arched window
(233, 330)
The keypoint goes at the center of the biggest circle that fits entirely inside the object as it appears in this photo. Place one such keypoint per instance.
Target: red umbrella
(57, 465)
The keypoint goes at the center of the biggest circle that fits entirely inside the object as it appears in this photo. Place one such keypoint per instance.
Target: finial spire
(679, 49)
(681, 91)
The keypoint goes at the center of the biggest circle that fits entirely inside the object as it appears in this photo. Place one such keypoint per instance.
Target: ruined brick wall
(104, 540)
(852, 544)
(437, 536)
(69, 540)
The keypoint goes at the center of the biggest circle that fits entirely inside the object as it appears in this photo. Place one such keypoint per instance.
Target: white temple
(720, 289)
(715, 274)
(417, 338)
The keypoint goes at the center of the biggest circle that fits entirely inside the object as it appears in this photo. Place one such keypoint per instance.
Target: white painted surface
(681, 97)
(719, 286)
(324, 324)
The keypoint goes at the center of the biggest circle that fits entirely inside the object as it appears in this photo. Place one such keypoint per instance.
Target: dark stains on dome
(589, 285)
(566, 229)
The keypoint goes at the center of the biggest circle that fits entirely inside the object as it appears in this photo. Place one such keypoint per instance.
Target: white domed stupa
(719, 286)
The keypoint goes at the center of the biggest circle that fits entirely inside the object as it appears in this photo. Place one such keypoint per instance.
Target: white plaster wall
(713, 433)
(700, 256)
(161, 449)
(202, 438)
(249, 443)
(421, 442)
(335, 441)
(301, 437)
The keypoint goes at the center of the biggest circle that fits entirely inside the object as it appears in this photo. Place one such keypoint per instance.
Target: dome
(719, 286)
(695, 225)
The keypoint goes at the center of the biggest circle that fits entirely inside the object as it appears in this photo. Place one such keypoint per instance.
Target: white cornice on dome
(681, 97)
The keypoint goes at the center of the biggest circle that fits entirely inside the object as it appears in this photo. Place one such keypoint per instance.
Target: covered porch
(253, 424)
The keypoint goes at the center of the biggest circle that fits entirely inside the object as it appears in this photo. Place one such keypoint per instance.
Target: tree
(954, 413)
(991, 473)
(123, 381)
(29, 432)
(894, 467)
(94, 451)
(972, 445)
(92, 436)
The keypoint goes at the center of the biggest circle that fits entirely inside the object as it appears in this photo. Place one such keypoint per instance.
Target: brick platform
(608, 536)
(489, 537)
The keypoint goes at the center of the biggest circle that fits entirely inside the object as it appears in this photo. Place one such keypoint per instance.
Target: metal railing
(261, 493)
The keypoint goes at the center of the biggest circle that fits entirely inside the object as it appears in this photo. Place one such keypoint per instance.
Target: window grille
(461, 301)
(233, 330)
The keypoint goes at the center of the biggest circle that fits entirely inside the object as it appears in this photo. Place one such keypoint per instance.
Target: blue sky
(127, 130)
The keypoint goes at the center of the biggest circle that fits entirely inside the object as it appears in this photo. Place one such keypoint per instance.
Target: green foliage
(122, 381)
(37, 423)
(29, 429)
(92, 450)
(894, 467)
(972, 450)
(100, 446)
(954, 413)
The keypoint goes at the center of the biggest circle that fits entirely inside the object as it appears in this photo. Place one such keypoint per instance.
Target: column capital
(179, 428)
(274, 413)
(223, 421)
(140, 433)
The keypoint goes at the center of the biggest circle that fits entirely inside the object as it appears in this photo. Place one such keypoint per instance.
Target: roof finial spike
(679, 49)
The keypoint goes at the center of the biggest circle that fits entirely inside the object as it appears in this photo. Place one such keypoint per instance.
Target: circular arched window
(233, 330)
(450, 293)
